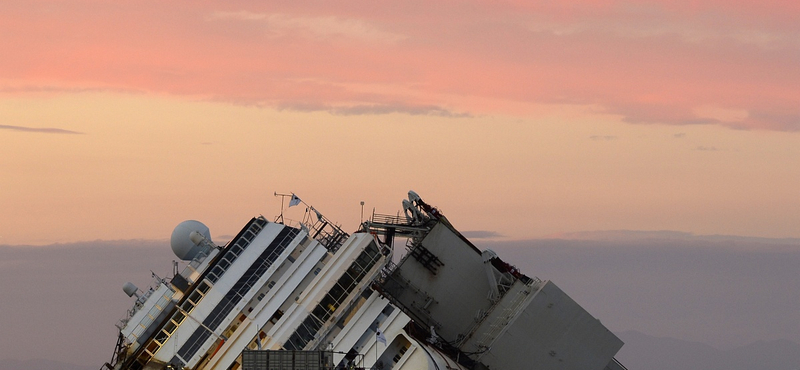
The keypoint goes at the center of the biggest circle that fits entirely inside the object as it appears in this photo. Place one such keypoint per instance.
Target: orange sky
(118, 120)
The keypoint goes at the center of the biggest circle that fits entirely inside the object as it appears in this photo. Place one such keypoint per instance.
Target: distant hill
(725, 293)
(40, 364)
(640, 352)
(643, 352)
(667, 235)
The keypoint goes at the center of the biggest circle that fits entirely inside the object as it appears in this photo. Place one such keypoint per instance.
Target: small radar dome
(186, 240)
(130, 289)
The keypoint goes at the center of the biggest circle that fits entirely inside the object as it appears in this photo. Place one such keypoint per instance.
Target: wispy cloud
(664, 25)
(315, 27)
(65, 89)
(603, 137)
(374, 109)
(721, 114)
(481, 234)
(45, 130)
(778, 119)
(430, 110)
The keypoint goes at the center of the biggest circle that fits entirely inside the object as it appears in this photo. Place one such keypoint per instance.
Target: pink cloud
(46, 130)
(656, 62)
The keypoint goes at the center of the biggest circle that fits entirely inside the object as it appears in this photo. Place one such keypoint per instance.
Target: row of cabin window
(229, 301)
(334, 298)
(233, 252)
(191, 302)
(177, 318)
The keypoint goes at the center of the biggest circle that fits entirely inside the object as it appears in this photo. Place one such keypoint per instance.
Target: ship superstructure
(307, 295)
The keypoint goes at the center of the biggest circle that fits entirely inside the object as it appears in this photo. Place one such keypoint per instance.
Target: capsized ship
(307, 295)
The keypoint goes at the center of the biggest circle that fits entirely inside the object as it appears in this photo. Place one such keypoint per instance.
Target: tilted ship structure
(307, 295)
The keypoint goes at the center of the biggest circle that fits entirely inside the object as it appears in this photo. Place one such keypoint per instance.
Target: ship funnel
(130, 289)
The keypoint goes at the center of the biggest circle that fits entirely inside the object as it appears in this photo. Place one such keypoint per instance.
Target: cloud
(661, 23)
(374, 109)
(663, 62)
(54, 89)
(657, 113)
(622, 235)
(481, 234)
(429, 110)
(602, 137)
(777, 119)
(628, 236)
(721, 114)
(46, 130)
(280, 25)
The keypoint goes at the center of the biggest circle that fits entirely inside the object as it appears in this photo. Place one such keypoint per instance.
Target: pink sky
(120, 119)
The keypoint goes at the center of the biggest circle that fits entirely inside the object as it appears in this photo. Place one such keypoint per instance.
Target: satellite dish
(189, 239)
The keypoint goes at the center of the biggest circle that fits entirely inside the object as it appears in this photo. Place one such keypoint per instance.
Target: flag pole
(283, 196)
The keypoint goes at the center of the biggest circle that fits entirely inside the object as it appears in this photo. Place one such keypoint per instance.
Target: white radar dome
(184, 244)
(130, 289)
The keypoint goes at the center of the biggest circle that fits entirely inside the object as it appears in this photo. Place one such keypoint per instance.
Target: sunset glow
(118, 120)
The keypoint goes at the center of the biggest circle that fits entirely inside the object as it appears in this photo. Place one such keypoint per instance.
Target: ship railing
(124, 320)
(534, 282)
(326, 232)
(398, 219)
(394, 225)
(139, 303)
(292, 223)
(196, 261)
(330, 235)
